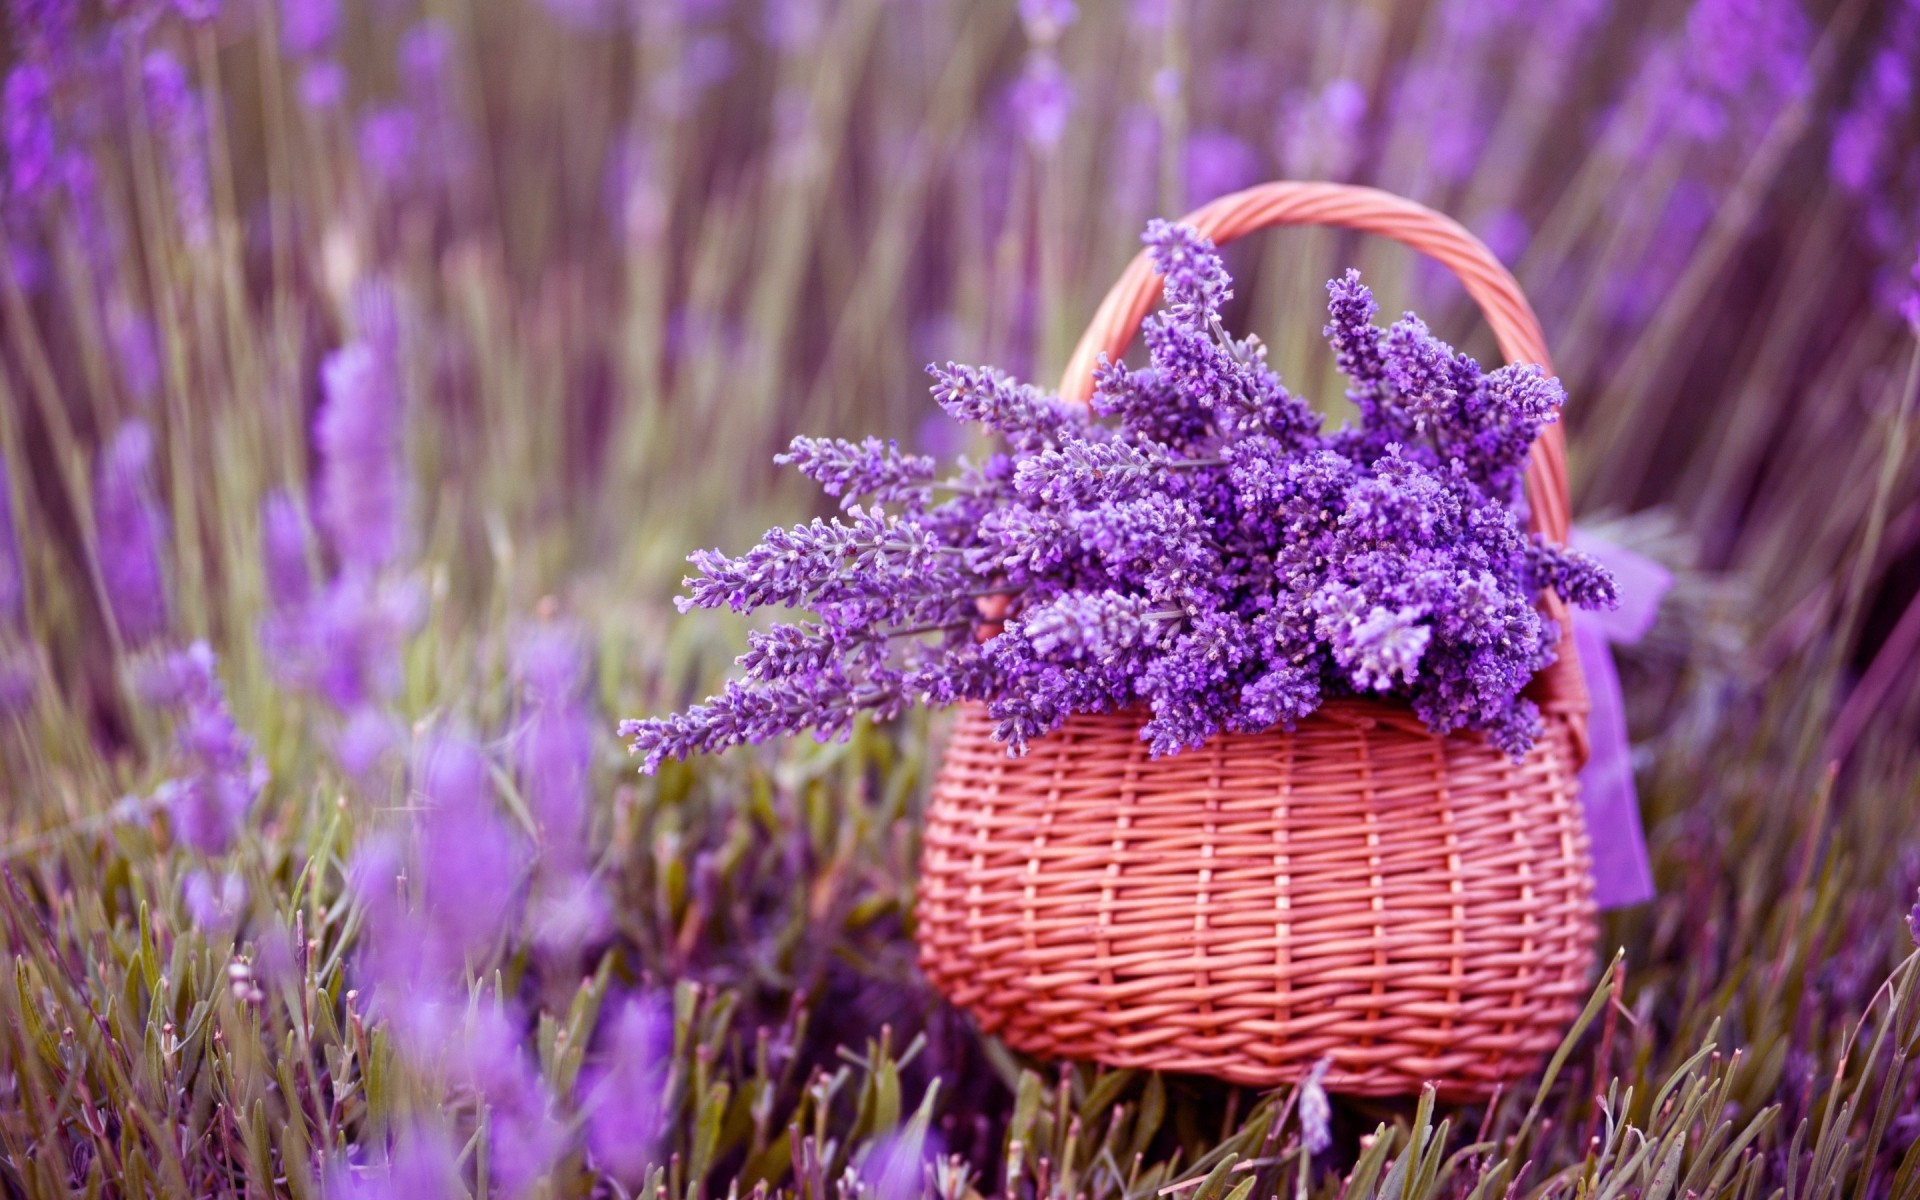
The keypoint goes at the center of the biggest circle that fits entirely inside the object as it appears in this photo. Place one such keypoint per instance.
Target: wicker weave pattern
(1418, 908)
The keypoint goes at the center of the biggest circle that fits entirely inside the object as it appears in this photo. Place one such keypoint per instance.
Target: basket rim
(1357, 712)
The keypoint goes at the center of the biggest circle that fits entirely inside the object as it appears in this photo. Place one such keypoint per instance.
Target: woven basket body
(1418, 908)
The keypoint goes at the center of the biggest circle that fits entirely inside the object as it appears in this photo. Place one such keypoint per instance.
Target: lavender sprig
(871, 468)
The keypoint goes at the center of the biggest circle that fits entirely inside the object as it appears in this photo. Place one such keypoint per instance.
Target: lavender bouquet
(1194, 545)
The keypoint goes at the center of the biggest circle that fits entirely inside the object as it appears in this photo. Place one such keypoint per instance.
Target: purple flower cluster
(1041, 100)
(1868, 158)
(130, 536)
(174, 109)
(442, 900)
(17, 673)
(342, 640)
(1194, 545)
(221, 776)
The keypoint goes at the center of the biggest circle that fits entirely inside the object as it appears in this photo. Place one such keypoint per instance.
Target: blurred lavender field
(366, 370)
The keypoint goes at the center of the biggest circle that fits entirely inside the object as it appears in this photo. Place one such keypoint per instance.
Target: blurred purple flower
(389, 144)
(553, 750)
(425, 56)
(1136, 173)
(1148, 16)
(19, 677)
(1217, 162)
(1745, 59)
(941, 436)
(624, 1093)
(1316, 1114)
(896, 1162)
(1041, 100)
(358, 432)
(174, 109)
(283, 553)
(1913, 923)
(13, 576)
(323, 85)
(27, 131)
(215, 905)
(130, 534)
(45, 25)
(1909, 302)
(1867, 131)
(345, 645)
(307, 26)
(1318, 134)
(570, 912)
(422, 1167)
(366, 739)
(792, 26)
(1506, 234)
(524, 1140)
(49, 172)
(471, 862)
(706, 60)
(1046, 20)
(221, 776)
(136, 351)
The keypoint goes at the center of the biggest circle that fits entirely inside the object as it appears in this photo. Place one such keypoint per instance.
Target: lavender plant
(1208, 552)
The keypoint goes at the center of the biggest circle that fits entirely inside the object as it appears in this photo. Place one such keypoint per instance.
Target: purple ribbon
(1620, 871)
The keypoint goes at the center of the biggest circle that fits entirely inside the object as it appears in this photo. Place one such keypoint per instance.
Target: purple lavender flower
(1863, 151)
(871, 468)
(323, 85)
(389, 143)
(28, 132)
(1211, 553)
(553, 751)
(426, 59)
(1318, 134)
(1218, 162)
(358, 431)
(570, 911)
(365, 741)
(19, 677)
(136, 351)
(307, 26)
(283, 550)
(221, 777)
(421, 1167)
(1316, 1114)
(898, 1163)
(1041, 100)
(130, 534)
(471, 861)
(1910, 297)
(174, 109)
(623, 1097)
(486, 1055)
(13, 576)
(1742, 56)
(1046, 20)
(216, 905)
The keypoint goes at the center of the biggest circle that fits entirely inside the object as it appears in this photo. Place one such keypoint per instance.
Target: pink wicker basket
(1417, 908)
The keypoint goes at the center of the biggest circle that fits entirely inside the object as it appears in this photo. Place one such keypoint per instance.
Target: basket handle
(1369, 210)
